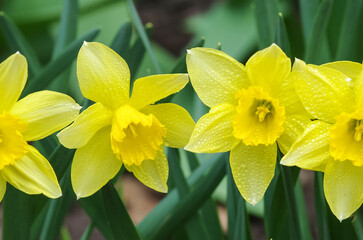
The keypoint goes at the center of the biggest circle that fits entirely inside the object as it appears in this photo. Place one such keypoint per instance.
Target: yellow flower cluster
(312, 114)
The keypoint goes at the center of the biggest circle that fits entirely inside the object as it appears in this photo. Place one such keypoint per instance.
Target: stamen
(261, 112)
(358, 130)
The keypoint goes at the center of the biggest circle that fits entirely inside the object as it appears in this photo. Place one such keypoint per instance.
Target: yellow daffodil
(34, 117)
(121, 129)
(252, 107)
(333, 95)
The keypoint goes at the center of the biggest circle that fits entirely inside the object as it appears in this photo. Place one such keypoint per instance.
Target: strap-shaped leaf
(17, 42)
(172, 212)
(56, 66)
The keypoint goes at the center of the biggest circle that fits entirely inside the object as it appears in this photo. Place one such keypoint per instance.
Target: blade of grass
(17, 42)
(172, 212)
(56, 66)
(121, 223)
(143, 35)
(121, 41)
(318, 31)
(266, 12)
(194, 226)
(348, 31)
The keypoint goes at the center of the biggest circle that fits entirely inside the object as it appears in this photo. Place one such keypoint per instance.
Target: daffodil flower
(333, 95)
(32, 118)
(252, 108)
(121, 129)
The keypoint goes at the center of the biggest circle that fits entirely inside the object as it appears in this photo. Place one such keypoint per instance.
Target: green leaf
(121, 42)
(172, 211)
(209, 210)
(120, 221)
(238, 219)
(57, 65)
(349, 30)
(320, 206)
(181, 66)
(266, 12)
(276, 212)
(135, 55)
(318, 31)
(58, 209)
(88, 232)
(282, 38)
(67, 27)
(66, 34)
(358, 223)
(302, 212)
(291, 200)
(143, 35)
(195, 227)
(95, 209)
(308, 9)
(17, 214)
(17, 42)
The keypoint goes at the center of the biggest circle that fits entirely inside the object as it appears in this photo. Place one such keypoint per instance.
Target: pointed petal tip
(17, 52)
(85, 43)
(189, 51)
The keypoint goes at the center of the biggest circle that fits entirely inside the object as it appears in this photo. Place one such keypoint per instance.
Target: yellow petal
(253, 168)
(148, 90)
(290, 100)
(33, 175)
(294, 126)
(103, 75)
(268, 69)
(343, 188)
(311, 149)
(358, 90)
(323, 91)
(351, 69)
(153, 173)
(179, 124)
(45, 113)
(2, 187)
(85, 126)
(13, 75)
(216, 77)
(213, 131)
(94, 164)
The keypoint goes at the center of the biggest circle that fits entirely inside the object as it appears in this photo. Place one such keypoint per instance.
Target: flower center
(259, 117)
(345, 141)
(12, 144)
(135, 137)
